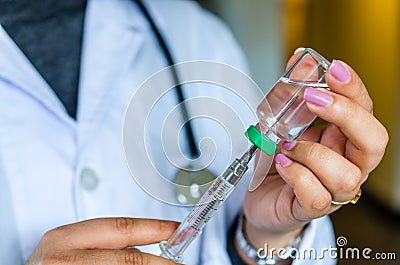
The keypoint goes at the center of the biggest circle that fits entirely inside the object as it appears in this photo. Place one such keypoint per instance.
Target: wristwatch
(261, 256)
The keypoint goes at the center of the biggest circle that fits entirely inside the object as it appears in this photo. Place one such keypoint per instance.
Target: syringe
(207, 206)
(282, 115)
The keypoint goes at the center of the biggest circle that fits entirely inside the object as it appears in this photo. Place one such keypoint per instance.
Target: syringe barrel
(283, 113)
(209, 203)
(192, 226)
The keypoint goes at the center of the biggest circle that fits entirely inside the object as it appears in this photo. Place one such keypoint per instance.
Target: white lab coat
(55, 170)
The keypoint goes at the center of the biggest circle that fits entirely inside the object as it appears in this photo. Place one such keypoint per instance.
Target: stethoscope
(190, 184)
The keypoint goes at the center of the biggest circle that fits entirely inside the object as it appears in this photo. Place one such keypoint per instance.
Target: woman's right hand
(102, 241)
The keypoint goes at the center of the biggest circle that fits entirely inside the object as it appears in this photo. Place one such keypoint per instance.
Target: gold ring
(353, 201)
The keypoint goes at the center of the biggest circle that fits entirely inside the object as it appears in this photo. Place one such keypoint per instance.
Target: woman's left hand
(328, 163)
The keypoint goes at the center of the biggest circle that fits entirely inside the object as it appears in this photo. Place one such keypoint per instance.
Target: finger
(341, 177)
(367, 135)
(334, 139)
(313, 133)
(307, 205)
(114, 233)
(260, 170)
(294, 57)
(343, 80)
(106, 257)
(304, 69)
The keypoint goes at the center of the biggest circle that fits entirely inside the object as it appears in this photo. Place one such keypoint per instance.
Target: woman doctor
(59, 168)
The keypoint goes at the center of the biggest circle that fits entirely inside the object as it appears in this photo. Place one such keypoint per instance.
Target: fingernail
(300, 49)
(288, 145)
(283, 160)
(339, 71)
(317, 97)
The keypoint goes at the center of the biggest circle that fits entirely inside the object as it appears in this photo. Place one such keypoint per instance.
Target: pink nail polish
(339, 71)
(288, 145)
(283, 160)
(317, 97)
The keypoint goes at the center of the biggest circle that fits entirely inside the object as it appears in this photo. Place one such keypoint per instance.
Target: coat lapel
(112, 40)
(17, 71)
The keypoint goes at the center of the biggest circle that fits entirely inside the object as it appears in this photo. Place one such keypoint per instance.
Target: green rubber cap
(261, 141)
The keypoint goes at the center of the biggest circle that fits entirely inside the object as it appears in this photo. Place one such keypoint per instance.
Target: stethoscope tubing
(194, 152)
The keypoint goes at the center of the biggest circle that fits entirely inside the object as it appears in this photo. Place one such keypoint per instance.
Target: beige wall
(258, 27)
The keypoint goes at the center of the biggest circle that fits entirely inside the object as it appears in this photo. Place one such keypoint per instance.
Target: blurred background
(363, 33)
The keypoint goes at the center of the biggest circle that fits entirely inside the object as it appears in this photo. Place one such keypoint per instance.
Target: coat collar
(112, 36)
(17, 71)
